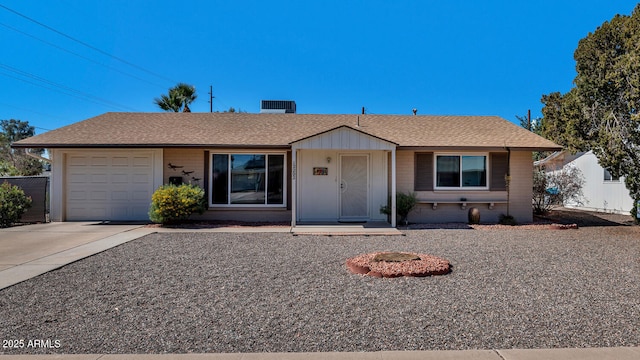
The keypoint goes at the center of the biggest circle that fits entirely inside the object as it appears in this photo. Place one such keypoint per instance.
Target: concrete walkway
(345, 230)
(31, 250)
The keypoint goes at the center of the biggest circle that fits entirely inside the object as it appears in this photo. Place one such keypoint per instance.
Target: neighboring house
(601, 191)
(292, 167)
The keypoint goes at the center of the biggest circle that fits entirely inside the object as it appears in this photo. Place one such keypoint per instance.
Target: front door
(354, 187)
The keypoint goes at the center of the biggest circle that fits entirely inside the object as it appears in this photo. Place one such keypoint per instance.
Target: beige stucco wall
(193, 160)
(190, 160)
(519, 204)
(521, 186)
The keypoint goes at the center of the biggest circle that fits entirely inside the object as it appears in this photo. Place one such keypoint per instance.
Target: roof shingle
(280, 130)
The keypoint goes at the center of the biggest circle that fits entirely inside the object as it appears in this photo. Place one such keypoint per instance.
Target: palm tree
(178, 99)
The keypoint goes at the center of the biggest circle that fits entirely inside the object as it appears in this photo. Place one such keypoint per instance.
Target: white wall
(318, 195)
(600, 195)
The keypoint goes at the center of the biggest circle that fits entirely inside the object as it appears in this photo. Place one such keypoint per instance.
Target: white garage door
(109, 186)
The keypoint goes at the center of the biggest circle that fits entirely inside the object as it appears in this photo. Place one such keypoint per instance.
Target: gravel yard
(216, 292)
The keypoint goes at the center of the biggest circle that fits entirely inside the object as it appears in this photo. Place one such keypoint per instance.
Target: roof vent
(278, 106)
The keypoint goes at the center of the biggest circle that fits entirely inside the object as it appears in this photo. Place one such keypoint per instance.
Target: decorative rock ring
(396, 264)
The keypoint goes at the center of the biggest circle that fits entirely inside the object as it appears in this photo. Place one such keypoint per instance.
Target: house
(601, 191)
(292, 167)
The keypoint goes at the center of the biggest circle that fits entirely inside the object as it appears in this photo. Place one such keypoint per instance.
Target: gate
(35, 187)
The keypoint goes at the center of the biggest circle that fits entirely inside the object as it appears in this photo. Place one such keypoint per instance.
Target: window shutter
(499, 170)
(205, 178)
(423, 172)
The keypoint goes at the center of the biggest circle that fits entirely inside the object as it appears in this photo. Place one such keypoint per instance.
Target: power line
(32, 111)
(78, 55)
(51, 85)
(88, 45)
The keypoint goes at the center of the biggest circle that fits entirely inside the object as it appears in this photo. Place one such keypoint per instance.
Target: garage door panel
(99, 161)
(77, 161)
(113, 187)
(98, 195)
(99, 178)
(77, 178)
(141, 195)
(141, 210)
(120, 212)
(139, 161)
(141, 178)
(78, 195)
(119, 195)
(120, 161)
(86, 213)
(120, 178)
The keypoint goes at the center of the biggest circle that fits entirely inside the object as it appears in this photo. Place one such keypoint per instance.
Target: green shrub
(404, 204)
(634, 212)
(507, 220)
(13, 203)
(172, 204)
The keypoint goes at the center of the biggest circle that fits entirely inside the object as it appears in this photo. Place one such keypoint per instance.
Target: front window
(461, 171)
(448, 171)
(247, 179)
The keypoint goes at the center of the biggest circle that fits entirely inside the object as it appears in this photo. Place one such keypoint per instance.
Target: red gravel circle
(427, 265)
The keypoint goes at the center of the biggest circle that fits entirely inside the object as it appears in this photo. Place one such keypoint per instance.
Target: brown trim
(205, 183)
(146, 146)
(423, 171)
(499, 169)
(472, 148)
(289, 179)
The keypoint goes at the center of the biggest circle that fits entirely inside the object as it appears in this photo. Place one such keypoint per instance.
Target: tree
(233, 110)
(15, 162)
(601, 112)
(178, 98)
(536, 127)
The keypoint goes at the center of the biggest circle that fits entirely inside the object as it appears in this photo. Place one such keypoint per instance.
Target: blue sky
(332, 56)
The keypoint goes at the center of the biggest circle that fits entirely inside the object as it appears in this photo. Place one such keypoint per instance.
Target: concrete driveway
(30, 250)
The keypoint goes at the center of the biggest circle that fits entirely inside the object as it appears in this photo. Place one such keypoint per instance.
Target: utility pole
(211, 98)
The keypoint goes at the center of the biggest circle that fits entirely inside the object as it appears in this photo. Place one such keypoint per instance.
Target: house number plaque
(320, 171)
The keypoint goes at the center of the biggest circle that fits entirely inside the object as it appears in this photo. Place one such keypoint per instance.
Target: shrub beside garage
(13, 204)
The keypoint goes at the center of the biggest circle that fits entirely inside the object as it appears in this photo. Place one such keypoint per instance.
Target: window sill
(463, 204)
(461, 189)
(248, 208)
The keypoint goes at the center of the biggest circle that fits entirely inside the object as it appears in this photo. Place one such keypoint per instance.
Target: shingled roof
(242, 130)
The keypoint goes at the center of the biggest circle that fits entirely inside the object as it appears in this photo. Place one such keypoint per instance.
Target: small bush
(172, 204)
(507, 220)
(13, 203)
(556, 187)
(404, 204)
